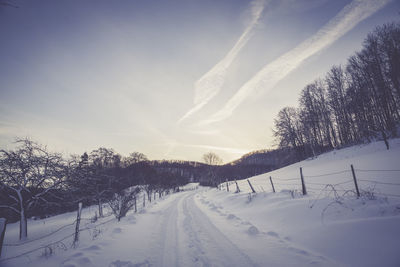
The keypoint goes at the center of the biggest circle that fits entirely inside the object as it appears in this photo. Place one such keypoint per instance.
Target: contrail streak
(210, 83)
(272, 73)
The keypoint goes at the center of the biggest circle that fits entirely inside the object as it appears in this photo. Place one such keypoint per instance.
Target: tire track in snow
(210, 247)
(167, 236)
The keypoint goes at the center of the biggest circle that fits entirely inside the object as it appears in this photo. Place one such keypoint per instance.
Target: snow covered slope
(377, 171)
(330, 220)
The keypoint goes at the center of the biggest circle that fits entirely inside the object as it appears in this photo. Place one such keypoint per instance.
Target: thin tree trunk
(100, 207)
(23, 225)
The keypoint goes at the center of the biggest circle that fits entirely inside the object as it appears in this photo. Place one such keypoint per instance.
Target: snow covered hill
(330, 220)
(329, 226)
(377, 171)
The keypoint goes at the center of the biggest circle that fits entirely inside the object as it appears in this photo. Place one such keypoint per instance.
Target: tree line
(355, 103)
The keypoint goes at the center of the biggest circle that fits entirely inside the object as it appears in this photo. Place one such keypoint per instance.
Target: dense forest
(355, 103)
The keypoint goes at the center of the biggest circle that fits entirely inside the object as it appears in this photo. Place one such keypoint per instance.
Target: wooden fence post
(3, 224)
(78, 220)
(355, 180)
(237, 187)
(144, 199)
(135, 205)
(272, 184)
(252, 189)
(303, 185)
(227, 185)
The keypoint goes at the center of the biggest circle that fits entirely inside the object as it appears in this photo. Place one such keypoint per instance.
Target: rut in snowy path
(186, 237)
(192, 233)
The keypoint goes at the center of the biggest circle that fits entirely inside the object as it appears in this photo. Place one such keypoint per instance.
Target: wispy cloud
(218, 148)
(272, 73)
(208, 86)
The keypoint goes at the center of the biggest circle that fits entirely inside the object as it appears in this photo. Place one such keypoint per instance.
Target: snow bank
(330, 220)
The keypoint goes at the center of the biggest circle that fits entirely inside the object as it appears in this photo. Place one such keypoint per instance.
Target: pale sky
(170, 79)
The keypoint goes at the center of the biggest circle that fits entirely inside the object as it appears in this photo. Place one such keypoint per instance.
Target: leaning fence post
(303, 185)
(272, 184)
(355, 180)
(237, 187)
(144, 199)
(78, 220)
(252, 189)
(227, 185)
(3, 224)
(135, 205)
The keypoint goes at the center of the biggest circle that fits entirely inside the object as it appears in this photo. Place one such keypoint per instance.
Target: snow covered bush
(123, 201)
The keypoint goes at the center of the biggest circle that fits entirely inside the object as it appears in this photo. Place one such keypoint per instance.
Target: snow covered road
(184, 229)
(185, 236)
(188, 230)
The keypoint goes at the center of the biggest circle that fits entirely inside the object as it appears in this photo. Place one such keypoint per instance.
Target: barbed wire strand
(361, 170)
(53, 243)
(326, 174)
(36, 239)
(387, 195)
(51, 233)
(289, 179)
(377, 182)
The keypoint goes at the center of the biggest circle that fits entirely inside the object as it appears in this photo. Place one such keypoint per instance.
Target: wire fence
(88, 226)
(55, 242)
(358, 181)
(51, 233)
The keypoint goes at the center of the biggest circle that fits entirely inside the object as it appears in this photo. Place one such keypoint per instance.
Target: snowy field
(329, 226)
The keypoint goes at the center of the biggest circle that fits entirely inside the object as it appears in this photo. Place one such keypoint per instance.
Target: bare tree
(211, 158)
(29, 173)
(134, 157)
(287, 130)
(99, 180)
(123, 201)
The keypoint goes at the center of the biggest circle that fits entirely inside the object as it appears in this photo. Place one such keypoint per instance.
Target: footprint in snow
(299, 251)
(273, 234)
(117, 230)
(77, 259)
(92, 248)
(213, 207)
(231, 217)
(132, 220)
(287, 238)
(84, 261)
(253, 230)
